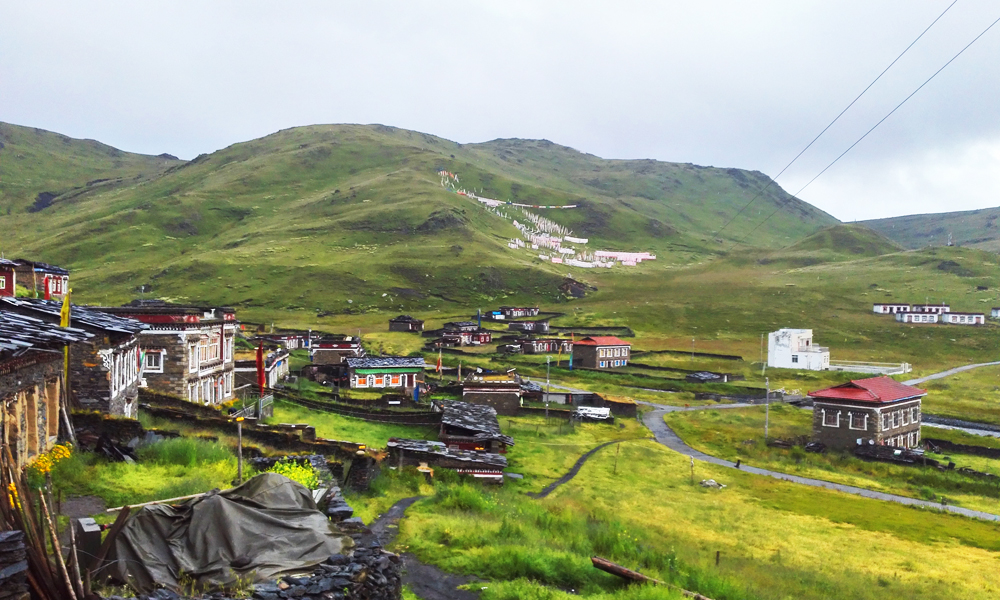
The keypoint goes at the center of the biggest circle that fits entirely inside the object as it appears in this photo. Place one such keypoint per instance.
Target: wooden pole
(617, 452)
(109, 540)
(239, 449)
(75, 562)
(57, 550)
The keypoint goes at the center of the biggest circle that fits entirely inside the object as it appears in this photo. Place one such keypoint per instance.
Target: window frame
(157, 356)
(829, 412)
(851, 416)
(795, 359)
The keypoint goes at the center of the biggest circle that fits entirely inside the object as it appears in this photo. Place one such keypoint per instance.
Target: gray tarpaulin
(265, 527)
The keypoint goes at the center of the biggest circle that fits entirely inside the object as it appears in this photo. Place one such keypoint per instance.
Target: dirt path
(949, 372)
(666, 436)
(426, 581)
(574, 470)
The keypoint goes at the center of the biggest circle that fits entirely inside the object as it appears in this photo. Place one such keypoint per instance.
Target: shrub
(296, 471)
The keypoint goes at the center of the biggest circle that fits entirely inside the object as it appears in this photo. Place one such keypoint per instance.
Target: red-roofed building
(873, 411)
(601, 352)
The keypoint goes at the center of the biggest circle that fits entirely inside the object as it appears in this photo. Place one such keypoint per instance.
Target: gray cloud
(719, 83)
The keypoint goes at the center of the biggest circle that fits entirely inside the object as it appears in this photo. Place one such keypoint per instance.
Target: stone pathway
(426, 581)
(949, 372)
(666, 436)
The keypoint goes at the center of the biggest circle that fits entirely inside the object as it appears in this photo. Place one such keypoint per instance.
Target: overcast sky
(733, 84)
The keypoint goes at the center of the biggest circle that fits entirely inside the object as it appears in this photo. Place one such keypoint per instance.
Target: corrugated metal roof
(601, 340)
(377, 362)
(873, 389)
(80, 315)
(19, 333)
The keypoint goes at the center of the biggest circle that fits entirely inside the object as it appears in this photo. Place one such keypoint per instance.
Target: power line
(851, 147)
(835, 119)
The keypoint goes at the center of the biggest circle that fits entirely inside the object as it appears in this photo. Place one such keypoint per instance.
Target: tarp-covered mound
(263, 528)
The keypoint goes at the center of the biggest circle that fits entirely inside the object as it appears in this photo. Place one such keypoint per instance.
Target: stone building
(105, 370)
(31, 383)
(188, 349)
(405, 323)
(601, 352)
(42, 280)
(335, 350)
(872, 411)
(419, 453)
(473, 427)
(500, 391)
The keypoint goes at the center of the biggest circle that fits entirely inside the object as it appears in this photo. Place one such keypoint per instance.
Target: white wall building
(793, 349)
(911, 317)
(890, 309)
(959, 318)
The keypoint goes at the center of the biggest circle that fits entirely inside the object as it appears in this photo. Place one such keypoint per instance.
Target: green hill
(312, 217)
(847, 239)
(973, 228)
(37, 166)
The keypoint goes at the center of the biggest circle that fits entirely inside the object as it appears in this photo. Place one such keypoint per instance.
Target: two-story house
(794, 349)
(188, 349)
(42, 280)
(872, 411)
(601, 352)
(104, 370)
(335, 350)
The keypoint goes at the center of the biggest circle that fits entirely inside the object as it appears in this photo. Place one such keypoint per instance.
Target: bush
(296, 471)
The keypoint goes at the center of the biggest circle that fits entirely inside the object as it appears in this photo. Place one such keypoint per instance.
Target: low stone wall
(118, 429)
(13, 566)
(946, 446)
(374, 415)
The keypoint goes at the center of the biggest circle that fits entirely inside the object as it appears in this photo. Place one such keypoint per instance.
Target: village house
(465, 333)
(8, 278)
(105, 370)
(386, 372)
(32, 413)
(405, 323)
(962, 318)
(501, 391)
(473, 427)
(422, 453)
(275, 370)
(995, 313)
(529, 326)
(545, 346)
(873, 411)
(189, 350)
(335, 350)
(601, 352)
(516, 312)
(793, 349)
(912, 317)
(289, 340)
(931, 308)
(890, 309)
(42, 280)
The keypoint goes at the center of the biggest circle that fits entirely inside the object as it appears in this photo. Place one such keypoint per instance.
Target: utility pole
(239, 449)
(548, 387)
(767, 407)
(692, 348)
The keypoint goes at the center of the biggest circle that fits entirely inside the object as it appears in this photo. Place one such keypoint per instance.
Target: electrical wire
(851, 147)
(835, 119)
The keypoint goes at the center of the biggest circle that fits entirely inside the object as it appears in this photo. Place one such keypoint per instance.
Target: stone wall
(505, 403)
(13, 566)
(30, 392)
(90, 376)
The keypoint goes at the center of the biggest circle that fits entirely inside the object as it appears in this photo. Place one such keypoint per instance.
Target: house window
(154, 362)
(380, 381)
(913, 415)
(895, 419)
(603, 363)
(859, 421)
(831, 418)
(193, 358)
(394, 381)
(795, 358)
(903, 417)
(3, 282)
(885, 421)
(891, 442)
(600, 352)
(624, 363)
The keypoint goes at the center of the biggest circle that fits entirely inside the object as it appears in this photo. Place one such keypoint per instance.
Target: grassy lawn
(739, 434)
(336, 427)
(972, 395)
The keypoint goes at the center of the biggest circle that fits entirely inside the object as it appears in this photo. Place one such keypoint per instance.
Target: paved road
(949, 372)
(666, 436)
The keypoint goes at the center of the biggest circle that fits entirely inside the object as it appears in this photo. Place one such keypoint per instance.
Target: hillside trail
(666, 436)
(949, 372)
(426, 581)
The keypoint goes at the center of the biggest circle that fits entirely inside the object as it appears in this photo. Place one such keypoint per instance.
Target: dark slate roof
(7, 263)
(377, 362)
(475, 417)
(440, 449)
(461, 324)
(82, 316)
(405, 319)
(40, 266)
(19, 333)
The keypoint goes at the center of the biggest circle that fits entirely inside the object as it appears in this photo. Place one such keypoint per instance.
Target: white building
(912, 317)
(931, 308)
(890, 309)
(960, 318)
(995, 313)
(793, 349)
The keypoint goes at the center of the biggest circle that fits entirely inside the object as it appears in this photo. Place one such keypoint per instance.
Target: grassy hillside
(316, 216)
(38, 166)
(975, 228)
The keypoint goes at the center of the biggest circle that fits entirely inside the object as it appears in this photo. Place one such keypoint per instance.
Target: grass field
(739, 434)
(336, 427)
